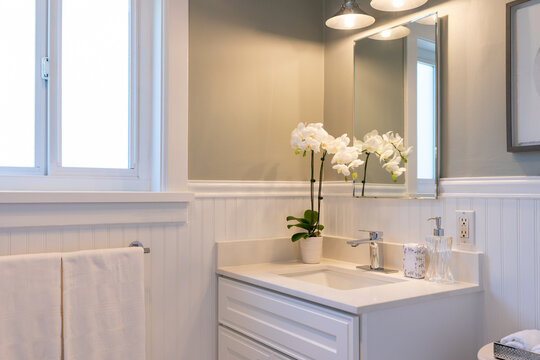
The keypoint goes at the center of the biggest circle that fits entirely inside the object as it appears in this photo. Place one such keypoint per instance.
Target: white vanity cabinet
(233, 346)
(256, 324)
(289, 326)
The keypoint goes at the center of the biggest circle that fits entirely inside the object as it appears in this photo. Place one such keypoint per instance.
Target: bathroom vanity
(334, 311)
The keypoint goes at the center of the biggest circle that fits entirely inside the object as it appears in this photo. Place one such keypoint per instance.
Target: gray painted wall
(256, 70)
(379, 95)
(258, 67)
(474, 89)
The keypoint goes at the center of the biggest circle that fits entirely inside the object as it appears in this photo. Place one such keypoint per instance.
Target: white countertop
(355, 301)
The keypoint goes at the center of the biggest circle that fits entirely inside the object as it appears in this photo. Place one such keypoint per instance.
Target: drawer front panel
(233, 346)
(294, 327)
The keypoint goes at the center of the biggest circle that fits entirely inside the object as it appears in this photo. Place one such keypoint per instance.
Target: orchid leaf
(289, 218)
(301, 226)
(299, 236)
(311, 216)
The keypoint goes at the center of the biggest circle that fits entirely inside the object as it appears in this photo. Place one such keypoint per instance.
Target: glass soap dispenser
(439, 248)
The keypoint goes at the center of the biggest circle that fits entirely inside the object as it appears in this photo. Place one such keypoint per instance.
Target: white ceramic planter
(311, 250)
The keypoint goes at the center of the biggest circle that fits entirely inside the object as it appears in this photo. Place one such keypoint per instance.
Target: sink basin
(341, 279)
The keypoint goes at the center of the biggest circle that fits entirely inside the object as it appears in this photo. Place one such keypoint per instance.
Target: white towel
(103, 304)
(527, 338)
(536, 349)
(30, 319)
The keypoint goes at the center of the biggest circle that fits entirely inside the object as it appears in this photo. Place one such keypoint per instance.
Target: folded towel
(527, 338)
(517, 345)
(536, 349)
(30, 319)
(103, 304)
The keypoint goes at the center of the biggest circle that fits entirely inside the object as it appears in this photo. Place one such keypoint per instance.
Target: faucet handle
(373, 234)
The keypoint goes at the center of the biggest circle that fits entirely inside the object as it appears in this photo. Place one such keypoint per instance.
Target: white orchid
(356, 163)
(309, 137)
(392, 138)
(338, 144)
(313, 138)
(393, 167)
(342, 169)
(372, 142)
(297, 139)
(345, 156)
(389, 148)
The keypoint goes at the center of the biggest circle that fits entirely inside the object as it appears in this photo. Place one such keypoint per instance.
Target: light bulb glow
(348, 21)
(386, 33)
(397, 3)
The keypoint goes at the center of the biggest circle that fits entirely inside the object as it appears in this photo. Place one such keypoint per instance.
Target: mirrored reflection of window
(426, 122)
(426, 109)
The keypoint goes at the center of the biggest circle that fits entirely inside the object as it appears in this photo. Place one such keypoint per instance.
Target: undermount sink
(341, 279)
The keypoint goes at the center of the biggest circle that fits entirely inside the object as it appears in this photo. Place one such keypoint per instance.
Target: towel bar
(139, 244)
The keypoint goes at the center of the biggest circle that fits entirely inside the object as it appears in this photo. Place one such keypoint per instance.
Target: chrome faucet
(376, 258)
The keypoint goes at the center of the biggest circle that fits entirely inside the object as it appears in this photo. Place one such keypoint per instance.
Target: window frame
(48, 174)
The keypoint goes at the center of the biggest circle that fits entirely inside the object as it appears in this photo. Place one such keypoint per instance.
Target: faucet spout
(375, 250)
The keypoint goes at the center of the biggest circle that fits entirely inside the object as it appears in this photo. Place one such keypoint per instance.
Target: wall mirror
(396, 88)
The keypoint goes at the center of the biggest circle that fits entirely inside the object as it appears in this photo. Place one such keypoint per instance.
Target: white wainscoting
(180, 272)
(166, 269)
(507, 231)
(229, 211)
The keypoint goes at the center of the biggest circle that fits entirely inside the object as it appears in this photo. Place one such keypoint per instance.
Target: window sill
(82, 197)
(72, 208)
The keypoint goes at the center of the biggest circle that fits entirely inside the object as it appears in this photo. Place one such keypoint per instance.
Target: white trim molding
(44, 215)
(477, 187)
(69, 197)
(234, 188)
(486, 187)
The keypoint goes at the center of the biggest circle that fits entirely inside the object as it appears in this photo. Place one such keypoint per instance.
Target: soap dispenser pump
(439, 249)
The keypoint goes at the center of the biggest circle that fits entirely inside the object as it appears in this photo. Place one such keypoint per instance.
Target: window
(21, 99)
(71, 114)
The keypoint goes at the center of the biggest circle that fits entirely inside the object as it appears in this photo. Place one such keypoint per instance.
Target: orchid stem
(320, 190)
(311, 183)
(365, 174)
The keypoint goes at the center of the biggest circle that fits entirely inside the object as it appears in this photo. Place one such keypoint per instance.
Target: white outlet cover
(470, 242)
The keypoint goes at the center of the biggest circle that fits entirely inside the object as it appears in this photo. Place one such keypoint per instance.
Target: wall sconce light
(350, 16)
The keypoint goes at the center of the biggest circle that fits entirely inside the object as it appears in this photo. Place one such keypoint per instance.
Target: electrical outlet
(465, 227)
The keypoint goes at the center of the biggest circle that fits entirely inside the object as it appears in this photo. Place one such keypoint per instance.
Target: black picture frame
(511, 118)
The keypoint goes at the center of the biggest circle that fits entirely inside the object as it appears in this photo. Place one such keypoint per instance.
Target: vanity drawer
(293, 327)
(233, 346)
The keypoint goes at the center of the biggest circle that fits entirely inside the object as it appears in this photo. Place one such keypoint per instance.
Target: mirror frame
(388, 191)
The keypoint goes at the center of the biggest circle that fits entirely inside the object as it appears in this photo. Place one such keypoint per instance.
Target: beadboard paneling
(506, 231)
(180, 280)
(162, 288)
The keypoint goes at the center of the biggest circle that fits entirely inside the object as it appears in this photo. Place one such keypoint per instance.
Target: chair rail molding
(488, 187)
(465, 187)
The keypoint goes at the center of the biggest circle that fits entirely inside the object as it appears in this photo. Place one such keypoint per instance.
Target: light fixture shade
(397, 32)
(396, 5)
(350, 16)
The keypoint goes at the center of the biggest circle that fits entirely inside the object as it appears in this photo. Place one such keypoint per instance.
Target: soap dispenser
(439, 249)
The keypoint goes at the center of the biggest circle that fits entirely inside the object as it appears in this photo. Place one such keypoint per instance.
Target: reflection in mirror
(396, 89)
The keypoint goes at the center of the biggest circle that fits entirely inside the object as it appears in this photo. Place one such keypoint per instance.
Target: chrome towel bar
(139, 244)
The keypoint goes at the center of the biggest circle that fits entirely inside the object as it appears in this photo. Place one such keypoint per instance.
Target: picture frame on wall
(523, 75)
